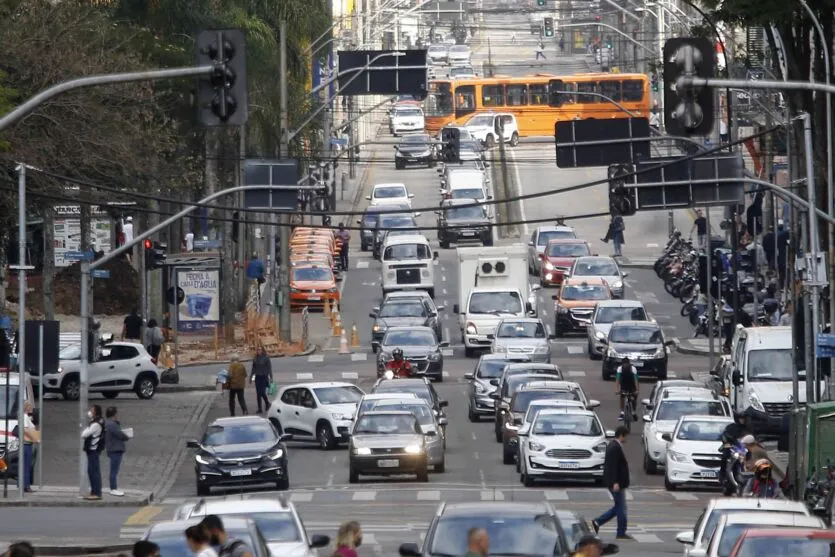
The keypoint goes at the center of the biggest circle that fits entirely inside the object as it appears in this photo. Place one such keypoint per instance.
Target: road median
(505, 188)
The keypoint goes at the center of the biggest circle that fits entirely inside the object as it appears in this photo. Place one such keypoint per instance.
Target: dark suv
(459, 220)
(369, 220)
(640, 341)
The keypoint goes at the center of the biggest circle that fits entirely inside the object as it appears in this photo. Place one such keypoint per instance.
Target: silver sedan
(522, 336)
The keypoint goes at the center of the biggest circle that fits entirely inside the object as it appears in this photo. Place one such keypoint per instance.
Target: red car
(807, 542)
(558, 258)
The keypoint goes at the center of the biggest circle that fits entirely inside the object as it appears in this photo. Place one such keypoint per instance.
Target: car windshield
(12, 394)
(387, 424)
(567, 250)
(71, 352)
(437, 48)
(520, 329)
(312, 274)
(523, 399)
(459, 49)
(588, 292)
(672, 410)
(595, 269)
(338, 395)
(566, 424)
(238, 435)
(465, 213)
(612, 314)
(408, 113)
(731, 534)
(407, 251)
(701, 431)
(788, 546)
(397, 221)
(412, 140)
(491, 369)
(770, 365)
(173, 543)
(420, 391)
(468, 193)
(547, 235)
(410, 338)
(403, 309)
(390, 192)
(277, 527)
(419, 410)
(455, 72)
(495, 303)
(636, 335)
(512, 534)
(483, 120)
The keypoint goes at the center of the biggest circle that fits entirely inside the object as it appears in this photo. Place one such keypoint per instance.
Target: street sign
(171, 293)
(100, 273)
(341, 141)
(825, 345)
(271, 173)
(366, 80)
(78, 255)
(569, 156)
(444, 11)
(207, 244)
(656, 195)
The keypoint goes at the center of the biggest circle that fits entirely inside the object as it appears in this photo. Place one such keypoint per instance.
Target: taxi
(314, 242)
(557, 259)
(311, 285)
(574, 305)
(322, 260)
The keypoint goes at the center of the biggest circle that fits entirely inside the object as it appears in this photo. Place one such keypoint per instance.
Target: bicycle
(629, 410)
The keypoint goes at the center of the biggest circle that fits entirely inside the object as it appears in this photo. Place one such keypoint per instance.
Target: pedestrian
(189, 242)
(655, 119)
(197, 540)
(114, 441)
(756, 452)
(700, 226)
(154, 338)
(478, 543)
(262, 376)
(255, 268)
(220, 541)
(588, 546)
(132, 326)
(237, 384)
(513, 38)
(724, 137)
(31, 437)
(94, 441)
(616, 479)
(348, 539)
(344, 238)
(786, 318)
(540, 50)
(615, 233)
(144, 548)
(562, 44)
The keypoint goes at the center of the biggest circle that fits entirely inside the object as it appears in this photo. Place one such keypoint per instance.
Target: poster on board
(200, 309)
(67, 232)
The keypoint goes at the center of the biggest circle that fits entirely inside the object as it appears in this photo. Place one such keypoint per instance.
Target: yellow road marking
(143, 516)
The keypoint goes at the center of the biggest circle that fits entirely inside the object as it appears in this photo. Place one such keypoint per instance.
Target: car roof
(505, 356)
(555, 402)
(391, 395)
(636, 324)
(226, 506)
(690, 395)
(773, 518)
(390, 184)
(531, 365)
(533, 320)
(743, 504)
(460, 200)
(405, 239)
(239, 420)
(389, 207)
(556, 228)
(318, 385)
(492, 509)
(407, 294)
(680, 384)
(576, 410)
(584, 281)
(170, 526)
(552, 384)
(621, 304)
(559, 241)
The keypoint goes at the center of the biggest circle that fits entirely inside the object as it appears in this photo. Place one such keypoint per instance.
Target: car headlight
(600, 447)
(276, 454)
(678, 457)
(542, 349)
(659, 436)
(535, 446)
(755, 403)
(617, 284)
(362, 451)
(377, 328)
(338, 416)
(661, 352)
(13, 445)
(435, 356)
(293, 289)
(203, 459)
(479, 388)
(60, 370)
(471, 329)
(389, 374)
(612, 353)
(560, 309)
(414, 449)
(549, 266)
(599, 335)
(500, 349)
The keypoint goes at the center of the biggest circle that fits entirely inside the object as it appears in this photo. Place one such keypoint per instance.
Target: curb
(78, 502)
(84, 549)
(306, 352)
(636, 265)
(694, 351)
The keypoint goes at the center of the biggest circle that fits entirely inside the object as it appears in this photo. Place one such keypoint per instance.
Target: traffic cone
(355, 336)
(327, 307)
(343, 344)
(337, 325)
(334, 314)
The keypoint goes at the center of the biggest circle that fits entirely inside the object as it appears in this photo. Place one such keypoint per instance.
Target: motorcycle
(734, 476)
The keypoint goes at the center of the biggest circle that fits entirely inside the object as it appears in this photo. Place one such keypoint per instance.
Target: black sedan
(369, 221)
(415, 149)
(420, 346)
(238, 451)
(640, 341)
(388, 221)
(408, 312)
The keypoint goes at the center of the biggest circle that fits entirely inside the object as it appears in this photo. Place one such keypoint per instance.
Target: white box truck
(492, 284)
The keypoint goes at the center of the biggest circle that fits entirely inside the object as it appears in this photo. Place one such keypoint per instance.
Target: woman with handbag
(31, 437)
(262, 375)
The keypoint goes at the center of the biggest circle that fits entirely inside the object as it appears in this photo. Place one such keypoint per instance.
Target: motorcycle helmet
(397, 354)
(762, 468)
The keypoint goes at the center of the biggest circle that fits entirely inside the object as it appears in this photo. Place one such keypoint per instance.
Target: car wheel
(71, 388)
(650, 466)
(507, 454)
(527, 480)
(353, 476)
(203, 490)
(431, 293)
(440, 377)
(283, 484)
(598, 482)
(469, 352)
(110, 394)
(606, 375)
(423, 476)
(592, 354)
(324, 436)
(443, 244)
(498, 433)
(441, 468)
(487, 240)
(473, 417)
(668, 485)
(518, 465)
(398, 165)
(145, 387)
(662, 374)
(514, 139)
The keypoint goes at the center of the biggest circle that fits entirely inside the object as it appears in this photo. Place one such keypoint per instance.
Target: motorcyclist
(734, 431)
(344, 237)
(626, 384)
(399, 366)
(763, 484)
(756, 452)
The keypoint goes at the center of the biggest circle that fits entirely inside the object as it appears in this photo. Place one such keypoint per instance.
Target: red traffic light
(149, 244)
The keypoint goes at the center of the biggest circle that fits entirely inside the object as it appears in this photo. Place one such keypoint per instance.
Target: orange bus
(534, 99)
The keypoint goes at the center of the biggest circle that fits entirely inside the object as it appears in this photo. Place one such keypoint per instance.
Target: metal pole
(143, 292)
(284, 323)
(21, 317)
(40, 405)
(6, 424)
(809, 351)
(284, 118)
(813, 245)
(274, 282)
(659, 20)
(84, 372)
(241, 247)
(710, 315)
(175, 318)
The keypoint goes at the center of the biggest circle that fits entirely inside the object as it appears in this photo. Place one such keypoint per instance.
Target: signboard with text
(200, 310)
(67, 232)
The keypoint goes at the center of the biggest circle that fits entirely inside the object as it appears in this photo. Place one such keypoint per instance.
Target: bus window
(611, 89)
(587, 87)
(557, 97)
(464, 100)
(538, 94)
(633, 90)
(517, 95)
(439, 101)
(492, 95)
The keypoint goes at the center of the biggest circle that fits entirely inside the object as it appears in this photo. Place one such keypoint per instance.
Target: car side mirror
(671, 343)
(668, 437)
(494, 382)
(495, 396)
(359, 221)
(443, 403)
(469, 376)
(456, 309)
(376, 309)
(610, 434)
(736, 377)
(417, 214)
(685, 538)
(372, 315)
(409, 550)
(517, 421)
(443, 422)
(411, 196)
(489, 197)
(645, 402)
(698, 552)
(530, 244)
(440, 308)
(431, 432)
(440, 170)
(368, 197)
(528, 307)
(603, 341)
(624, 275)
(396, 148)
(593, 404)
(443, 344)
(491, 337)
(287, 436)
(555, 297)
(319, 540)
(193, 444)
(646, 418)
(435, 255)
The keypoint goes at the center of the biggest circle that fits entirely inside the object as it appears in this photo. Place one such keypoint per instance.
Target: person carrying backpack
(94, 441)
(219, 539)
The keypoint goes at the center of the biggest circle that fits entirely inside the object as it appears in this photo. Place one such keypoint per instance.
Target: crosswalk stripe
(679, 496)
(360, 357)
(304, 376)
(556, 495)
(316, 358)
(647, 538)
(490, 495)
(350, 375)
(429, 495)
(362, 264)
(301, 497)
(364, 496)
(447, 352)
(576, 373)
(574, 349)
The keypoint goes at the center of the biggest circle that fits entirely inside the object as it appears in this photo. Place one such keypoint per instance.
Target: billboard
(200, 309)
(67, 232)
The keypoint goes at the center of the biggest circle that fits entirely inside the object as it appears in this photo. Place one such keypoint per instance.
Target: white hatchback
(490, 127)
(693, 456)
(390, 194)
(407, 119)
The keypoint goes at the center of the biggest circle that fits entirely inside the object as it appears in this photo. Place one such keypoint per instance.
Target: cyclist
(626, 384)
(345, 238)
(399, 366)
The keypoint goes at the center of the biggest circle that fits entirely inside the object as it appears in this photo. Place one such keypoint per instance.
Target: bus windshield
(439, 100)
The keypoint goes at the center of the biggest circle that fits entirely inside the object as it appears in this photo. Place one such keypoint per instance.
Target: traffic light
(451, 149)
(654, 78)
(155, 254)
(222, 95)
(148, 249)
(621, 198)
(688, 111)
(549, 26)
(540, 3)
(609, 42)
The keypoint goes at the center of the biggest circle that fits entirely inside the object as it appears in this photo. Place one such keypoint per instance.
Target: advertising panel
(200, 309)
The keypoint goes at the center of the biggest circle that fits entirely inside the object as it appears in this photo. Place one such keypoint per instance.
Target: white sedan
(390, 194)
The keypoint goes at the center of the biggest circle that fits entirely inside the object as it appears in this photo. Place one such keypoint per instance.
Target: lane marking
(492, 496)
(519, 192)
(483, 480)
(576, 373)
(304, 376)
(350, 375)
(359, 357)
(474, 436)
(653, 246)
(447, 353)
(330, 480)
(364, 496)
(679, 496)
(556, 495)
(548, 329)
(362, 264)
(629, 496)
(143, 515)
(647, 538)
(428, 495)
(444, 292)
(316, 358)
(301, 497)
(443, 278)
(369, 538)
(446, 374)
(446, 333)
(574, 349)
(475, 456)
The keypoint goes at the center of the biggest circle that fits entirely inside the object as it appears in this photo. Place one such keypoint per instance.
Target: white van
(408, 264)
(465, 183)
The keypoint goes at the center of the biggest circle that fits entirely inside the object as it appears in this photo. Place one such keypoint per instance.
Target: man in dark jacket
(616, 479)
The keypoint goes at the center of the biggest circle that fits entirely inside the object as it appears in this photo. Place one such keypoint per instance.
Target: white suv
(121, 367)
(319, 412)
(693, 456)
(276, 518)
(490, 126)
(406, 119)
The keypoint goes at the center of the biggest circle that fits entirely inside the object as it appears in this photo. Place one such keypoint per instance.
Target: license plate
(413, 160)
(242, 472)
(393, 463)
(708, 474)
(568, 465)
(468, 233)
(314, 298)
(637, 364)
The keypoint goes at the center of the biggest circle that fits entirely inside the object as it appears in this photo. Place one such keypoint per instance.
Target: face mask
(90, 415)
(358, 541)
